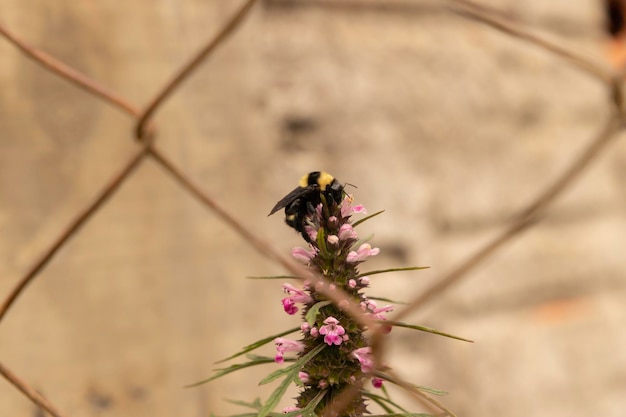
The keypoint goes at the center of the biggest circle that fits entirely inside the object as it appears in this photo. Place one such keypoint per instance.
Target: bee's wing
(289, 198)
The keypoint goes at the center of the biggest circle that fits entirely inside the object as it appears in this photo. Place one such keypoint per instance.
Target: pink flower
(332, 239)
(352, 283)
(364, 356)
(371, 308)
(299, 296)
(332, 331)
(377, 382)
(295, 296)
(364, 281)
(311, 232)
(305, 327)
(385, 328)
(377, 312)
(347, 209)
(290, 409)
(346, 231)
(303, 255)
(364, 251)
(286, 345)
(304, 377)
(289, 306)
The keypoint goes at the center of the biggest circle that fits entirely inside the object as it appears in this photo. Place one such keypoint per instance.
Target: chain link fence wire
(147, 148)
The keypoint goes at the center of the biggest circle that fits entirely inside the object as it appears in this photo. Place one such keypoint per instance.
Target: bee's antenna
(352, 185)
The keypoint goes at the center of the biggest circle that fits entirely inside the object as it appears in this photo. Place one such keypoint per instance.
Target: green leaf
(254, 357)
(321, 241)
(358, 222)
(255, 414)
(387, 300)
(293, 413)
(276, 374)
(416, 390)
(311, 315)
(296, 365)
(309, 409)
(324, 205)
(258, 360)
(259, 343)
(256, 404)
(384, 390)
(278, 393)
(425, 329)
(274, 277)
(403, 415)
(431, 390)
(382, 271)
(382, 401)
(379, 400)
(239, 415)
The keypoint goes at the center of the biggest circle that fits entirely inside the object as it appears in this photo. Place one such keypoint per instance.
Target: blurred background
(448, 125)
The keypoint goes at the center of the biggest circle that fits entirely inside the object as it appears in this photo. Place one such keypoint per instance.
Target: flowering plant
(334, 355)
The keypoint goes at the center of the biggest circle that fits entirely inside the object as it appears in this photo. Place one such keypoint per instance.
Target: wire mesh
(145, 119)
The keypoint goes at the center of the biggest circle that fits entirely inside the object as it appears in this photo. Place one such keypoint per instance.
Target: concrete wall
(448, 125)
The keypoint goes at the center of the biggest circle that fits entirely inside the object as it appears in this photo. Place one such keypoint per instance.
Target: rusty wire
(145, 131)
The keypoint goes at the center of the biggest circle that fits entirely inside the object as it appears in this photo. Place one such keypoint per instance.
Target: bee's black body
(303, 200)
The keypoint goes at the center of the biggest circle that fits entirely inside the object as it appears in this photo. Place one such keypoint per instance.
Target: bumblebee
(302, 201)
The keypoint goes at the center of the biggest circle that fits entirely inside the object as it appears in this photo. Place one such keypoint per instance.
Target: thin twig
(187, 184)
(65, 71)
(33, 395)
(79, 220)
(526, 217)
(479, 13)
(187, 69)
